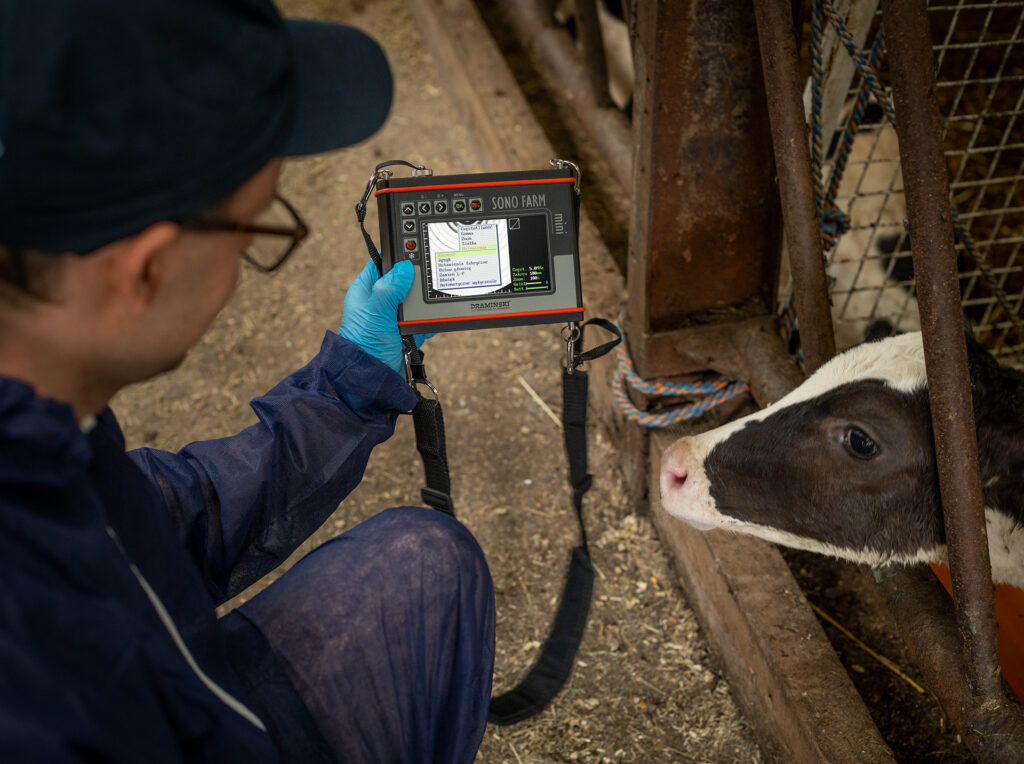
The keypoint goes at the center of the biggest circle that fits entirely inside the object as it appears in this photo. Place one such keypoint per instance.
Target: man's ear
(138, 266)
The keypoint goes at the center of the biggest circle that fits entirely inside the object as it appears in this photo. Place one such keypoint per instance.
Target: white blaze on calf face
(820, 468)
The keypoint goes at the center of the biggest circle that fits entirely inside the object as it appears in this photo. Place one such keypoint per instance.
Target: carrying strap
(428, 422)
(548, 675)
(551, 670)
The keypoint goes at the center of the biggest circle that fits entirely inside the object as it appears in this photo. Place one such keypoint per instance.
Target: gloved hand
(370, 317)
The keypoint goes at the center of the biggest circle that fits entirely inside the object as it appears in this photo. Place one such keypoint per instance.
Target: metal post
(589, 28)
(925, 179)
(780, 61)
(703, 240)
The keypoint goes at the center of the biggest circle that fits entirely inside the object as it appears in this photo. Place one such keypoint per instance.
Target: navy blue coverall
(378, 646)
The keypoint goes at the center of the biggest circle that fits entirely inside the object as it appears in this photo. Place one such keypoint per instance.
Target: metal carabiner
(561, 164)
(571, 334)
(414, 380)
(377, 176)
(437, 396)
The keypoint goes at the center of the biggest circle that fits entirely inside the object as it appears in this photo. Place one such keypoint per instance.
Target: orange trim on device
(455, 319)
(486, 184)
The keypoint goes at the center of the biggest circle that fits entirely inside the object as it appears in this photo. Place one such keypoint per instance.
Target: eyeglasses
(266, 253)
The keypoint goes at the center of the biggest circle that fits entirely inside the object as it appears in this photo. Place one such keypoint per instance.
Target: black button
(459, 206)
(424, 208)
(409, 225)
(475, 204)
(440, 207)
(408, 208)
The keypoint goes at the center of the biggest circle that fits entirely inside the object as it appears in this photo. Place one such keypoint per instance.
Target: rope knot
(704, 395)
(834, 222)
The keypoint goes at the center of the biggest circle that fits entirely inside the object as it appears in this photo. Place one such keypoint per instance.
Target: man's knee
(423, 541)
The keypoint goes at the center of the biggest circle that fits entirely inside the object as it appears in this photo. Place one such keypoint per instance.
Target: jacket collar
(40, 440)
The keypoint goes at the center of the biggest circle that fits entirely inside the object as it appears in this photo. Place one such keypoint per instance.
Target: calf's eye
(859, 443)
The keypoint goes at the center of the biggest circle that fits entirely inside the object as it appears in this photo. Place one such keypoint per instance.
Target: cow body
(845, 465)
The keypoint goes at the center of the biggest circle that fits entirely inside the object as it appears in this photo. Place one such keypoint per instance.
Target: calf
(844, 465)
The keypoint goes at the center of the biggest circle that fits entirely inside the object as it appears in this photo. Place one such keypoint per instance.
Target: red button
(474, 205)
(410, 245)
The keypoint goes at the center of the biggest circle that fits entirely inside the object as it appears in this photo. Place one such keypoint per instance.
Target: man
(140, 145)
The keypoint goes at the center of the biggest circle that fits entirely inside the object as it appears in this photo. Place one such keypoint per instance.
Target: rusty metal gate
(719, 146)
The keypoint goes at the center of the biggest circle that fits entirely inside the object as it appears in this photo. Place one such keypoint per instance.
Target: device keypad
(413, 209)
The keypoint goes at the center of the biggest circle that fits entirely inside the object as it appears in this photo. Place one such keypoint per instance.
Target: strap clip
(573, 335)
(425, 381)
(378, 175)
(415, 371)
(561, 164)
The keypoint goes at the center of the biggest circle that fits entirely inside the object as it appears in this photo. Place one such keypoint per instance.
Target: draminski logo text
(494, 305)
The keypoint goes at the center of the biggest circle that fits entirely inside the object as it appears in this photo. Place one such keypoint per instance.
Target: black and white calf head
(844, 465)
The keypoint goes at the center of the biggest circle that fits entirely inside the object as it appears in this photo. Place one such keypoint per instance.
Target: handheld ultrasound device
(495, 249)
(491, 250)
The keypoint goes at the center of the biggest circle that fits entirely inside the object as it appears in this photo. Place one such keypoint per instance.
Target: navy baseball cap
(115, 114)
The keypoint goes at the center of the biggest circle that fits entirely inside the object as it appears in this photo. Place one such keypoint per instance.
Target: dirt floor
(645, 688)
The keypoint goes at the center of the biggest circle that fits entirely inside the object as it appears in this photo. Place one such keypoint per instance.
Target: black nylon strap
(428, 423)
(600, 350)
(430, 442)
(370, 246)
(574, 427)
(541, 684)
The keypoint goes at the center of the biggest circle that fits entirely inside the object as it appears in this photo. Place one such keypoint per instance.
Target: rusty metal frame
(975, 700)
(593, 50)
(957, 657)
(704, 231)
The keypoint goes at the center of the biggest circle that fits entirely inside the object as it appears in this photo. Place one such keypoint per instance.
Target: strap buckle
(438, 500)
(377, 176)
(380, 175)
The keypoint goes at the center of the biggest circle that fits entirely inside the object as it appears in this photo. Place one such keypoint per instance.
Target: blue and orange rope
(708, 395)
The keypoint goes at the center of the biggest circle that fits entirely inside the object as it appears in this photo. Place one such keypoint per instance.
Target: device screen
(494, 256)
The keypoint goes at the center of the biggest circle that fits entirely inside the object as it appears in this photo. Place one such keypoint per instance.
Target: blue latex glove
(370, 317)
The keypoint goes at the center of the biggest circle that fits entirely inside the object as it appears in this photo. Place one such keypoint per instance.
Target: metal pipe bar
(780, 63)
(555, 58)
(992, 729)
(589, 28)
(919, 128)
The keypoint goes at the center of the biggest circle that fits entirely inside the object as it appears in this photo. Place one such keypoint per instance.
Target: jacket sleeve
(242, 504)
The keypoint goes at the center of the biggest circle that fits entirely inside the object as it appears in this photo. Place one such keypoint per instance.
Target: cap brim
(344, 86)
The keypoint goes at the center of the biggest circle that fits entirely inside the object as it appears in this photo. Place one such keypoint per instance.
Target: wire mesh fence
(979, 59)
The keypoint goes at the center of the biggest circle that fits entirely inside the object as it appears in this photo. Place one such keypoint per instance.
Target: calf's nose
(672, 479)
